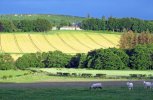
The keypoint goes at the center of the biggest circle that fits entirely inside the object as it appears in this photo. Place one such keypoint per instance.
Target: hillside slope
(66, 41)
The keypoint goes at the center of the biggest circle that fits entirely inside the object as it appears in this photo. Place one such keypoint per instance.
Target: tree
(26, 25)
(1, 27)
(6, 62)
(31, 60)
(140, 58)
(57, 59)
(145, 38)
(8, 26)
(42, 25)
(103, 23)
(128, 40)
(111, 23)
(78, 61)
(104, 59)
(122, 55)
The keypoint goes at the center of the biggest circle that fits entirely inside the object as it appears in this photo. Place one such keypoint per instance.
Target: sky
(142, 9)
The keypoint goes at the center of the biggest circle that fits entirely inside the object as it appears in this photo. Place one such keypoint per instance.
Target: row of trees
(130, 39)
(140, 57)
(117, 24)
(38, 25)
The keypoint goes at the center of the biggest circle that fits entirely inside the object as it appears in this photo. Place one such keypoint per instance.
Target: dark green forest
(118, 24)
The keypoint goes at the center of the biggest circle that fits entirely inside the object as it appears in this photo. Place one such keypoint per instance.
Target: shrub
(104, 59)
(4, 77)
(66, 74)
(74, 74)
(59, 73)
(100, 75)
(28, 61)
(6, 62)
(86, 75)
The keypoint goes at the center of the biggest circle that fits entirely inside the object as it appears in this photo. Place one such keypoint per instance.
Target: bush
(6, 62)
(41, 25)
(56, 59)
(100, 75)
(74, 74)
(66, 74)
(29, 60)
(86, 75)
(104, 59)
(59, 73)
(4, 77)
(140, 76)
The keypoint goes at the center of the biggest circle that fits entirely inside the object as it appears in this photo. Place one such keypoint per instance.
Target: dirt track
(66, 84)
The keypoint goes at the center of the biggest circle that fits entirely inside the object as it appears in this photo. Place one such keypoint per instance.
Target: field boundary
(50, 44)
(94, 41)
(66, 43)
(107, 39)
(80, 42)
(34, 43)
(17, 44)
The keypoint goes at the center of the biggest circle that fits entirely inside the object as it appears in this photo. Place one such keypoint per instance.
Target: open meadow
(27, 85)
(82, 93)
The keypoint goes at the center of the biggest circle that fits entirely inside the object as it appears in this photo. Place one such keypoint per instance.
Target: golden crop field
(66, 41)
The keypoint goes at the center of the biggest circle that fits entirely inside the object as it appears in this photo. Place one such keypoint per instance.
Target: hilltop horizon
(81, 8)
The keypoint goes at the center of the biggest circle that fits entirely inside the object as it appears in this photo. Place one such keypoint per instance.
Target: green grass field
(93, 72)
(108, 93)
(18, 76)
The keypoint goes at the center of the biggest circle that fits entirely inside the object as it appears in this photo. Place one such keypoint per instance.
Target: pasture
(70, 42)
(50, 75)
(108, 72)
(75, 93)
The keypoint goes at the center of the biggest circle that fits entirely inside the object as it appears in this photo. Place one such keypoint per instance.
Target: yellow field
(66, 41)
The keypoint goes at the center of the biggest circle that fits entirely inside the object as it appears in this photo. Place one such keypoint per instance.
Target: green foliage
(91, 24)
(117, 24)
(7, 26)
(141, 57)
(122, 55)
(1, 27)
(29, 60)
(41, 25)
(6, 62)
(104, 59)
(103, 23)
(56, 59)
(25, 25)
(77, 61)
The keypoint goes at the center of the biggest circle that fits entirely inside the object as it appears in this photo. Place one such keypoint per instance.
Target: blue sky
(96, 8)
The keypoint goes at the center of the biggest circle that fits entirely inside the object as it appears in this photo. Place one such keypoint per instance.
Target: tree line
(118, 24)
(38, 25)
(130, 39)
(139, 57)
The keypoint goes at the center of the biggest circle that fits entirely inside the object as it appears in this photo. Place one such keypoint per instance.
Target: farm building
(70, 28)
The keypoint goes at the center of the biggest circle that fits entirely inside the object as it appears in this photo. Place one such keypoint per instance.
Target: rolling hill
(70, 42)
